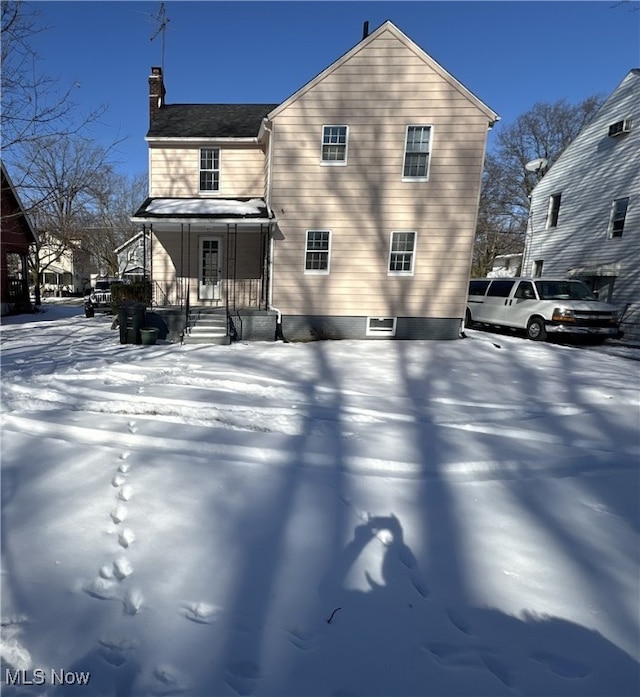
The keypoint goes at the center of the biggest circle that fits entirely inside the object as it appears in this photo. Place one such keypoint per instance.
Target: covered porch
(209, 256)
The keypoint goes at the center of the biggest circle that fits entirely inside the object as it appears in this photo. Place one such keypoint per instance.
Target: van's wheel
(468, 322)
(536, 330)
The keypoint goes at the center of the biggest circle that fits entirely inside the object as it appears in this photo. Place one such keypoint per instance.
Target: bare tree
(109, 226)
(65, 184)
(34, 106)
(542, 132)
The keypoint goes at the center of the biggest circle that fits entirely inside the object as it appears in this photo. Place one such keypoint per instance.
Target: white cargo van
(541, 306)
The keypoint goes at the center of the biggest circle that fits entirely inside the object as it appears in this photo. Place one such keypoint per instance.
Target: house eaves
(129, 242)
(389, 26)
(14, 193)
(202, 139)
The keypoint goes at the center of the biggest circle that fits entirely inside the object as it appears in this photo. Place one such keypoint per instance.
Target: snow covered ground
(332, 518)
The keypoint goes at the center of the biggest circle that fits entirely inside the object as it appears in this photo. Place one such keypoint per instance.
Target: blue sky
(510, 54)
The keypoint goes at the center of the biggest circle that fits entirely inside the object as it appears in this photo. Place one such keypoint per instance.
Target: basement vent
(619, 127)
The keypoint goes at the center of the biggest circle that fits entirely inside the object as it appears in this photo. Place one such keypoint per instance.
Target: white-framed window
(381, 326)
(209, 169)
(554, 210)
(417, 149)
(618, 216)
(334, 145)
(317, 251)
(402, 253)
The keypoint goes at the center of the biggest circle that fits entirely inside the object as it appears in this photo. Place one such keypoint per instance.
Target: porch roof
(198, 210)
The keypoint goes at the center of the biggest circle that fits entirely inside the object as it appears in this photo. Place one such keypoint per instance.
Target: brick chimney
(156, 92)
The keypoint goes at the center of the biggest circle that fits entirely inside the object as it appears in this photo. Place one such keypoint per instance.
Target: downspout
(270, 305)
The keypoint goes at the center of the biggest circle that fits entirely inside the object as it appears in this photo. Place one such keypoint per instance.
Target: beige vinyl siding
(378, 92)
(175, 171)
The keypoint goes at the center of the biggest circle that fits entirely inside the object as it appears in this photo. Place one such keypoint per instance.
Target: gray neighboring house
(134, 257)
(585, 212)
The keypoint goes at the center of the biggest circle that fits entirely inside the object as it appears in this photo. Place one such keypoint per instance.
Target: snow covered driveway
(333, 518)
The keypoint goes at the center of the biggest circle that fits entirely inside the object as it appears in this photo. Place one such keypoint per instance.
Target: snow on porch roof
(183, 209)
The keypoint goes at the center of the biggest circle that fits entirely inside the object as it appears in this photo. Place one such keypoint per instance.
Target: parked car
(541, 307)
(99, 298)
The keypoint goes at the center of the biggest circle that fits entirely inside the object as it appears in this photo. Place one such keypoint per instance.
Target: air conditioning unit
(619, 127)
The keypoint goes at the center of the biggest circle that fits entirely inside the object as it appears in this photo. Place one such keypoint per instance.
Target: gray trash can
(131, 317)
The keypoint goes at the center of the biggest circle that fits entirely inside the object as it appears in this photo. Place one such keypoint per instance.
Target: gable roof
(10, 191)
(622, 103)
(208, 120)
(129, 242)
(389, 26)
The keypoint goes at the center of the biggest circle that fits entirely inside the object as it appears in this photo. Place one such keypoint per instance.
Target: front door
(210, 268)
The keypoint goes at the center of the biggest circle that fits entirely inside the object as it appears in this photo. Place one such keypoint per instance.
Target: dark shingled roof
(209, 120)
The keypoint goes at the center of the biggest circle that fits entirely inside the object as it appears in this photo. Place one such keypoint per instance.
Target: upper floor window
(416, 152)
(554, 210)
(334, 145)
(209, 169)
(401, 254)
(618, 216)
(619, 127)
(316, 258)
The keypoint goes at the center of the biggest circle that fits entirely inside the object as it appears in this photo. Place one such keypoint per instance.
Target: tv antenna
(162, 20)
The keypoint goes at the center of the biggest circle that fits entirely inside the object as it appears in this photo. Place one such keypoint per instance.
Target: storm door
(210, 268)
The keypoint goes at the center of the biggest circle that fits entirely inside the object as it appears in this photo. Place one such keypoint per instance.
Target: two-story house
(585, 214)
(328, 214)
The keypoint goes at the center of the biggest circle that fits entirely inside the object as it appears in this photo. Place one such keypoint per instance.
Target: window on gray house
(209, 169)
(618, 217)
(416, 152)
(554, 210)
(537, 267)
(334, 145)
(316, 258)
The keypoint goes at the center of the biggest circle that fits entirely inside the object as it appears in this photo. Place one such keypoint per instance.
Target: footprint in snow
(133, 601)
(125, 493)
(125, 455)
(451, 654)
(119, 513)
(117, 652)
(122, 568)
(203, 613)
(106, 572)
(564, 667)
(419, 585)
(118, 480)
(132, 427)
(458, 620)
(242, 675)
(101, 588)
(168, 681)
(126, 537)
(124, 468)
(301, 640)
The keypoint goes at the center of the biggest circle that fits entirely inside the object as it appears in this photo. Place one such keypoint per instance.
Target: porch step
(207, 327)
